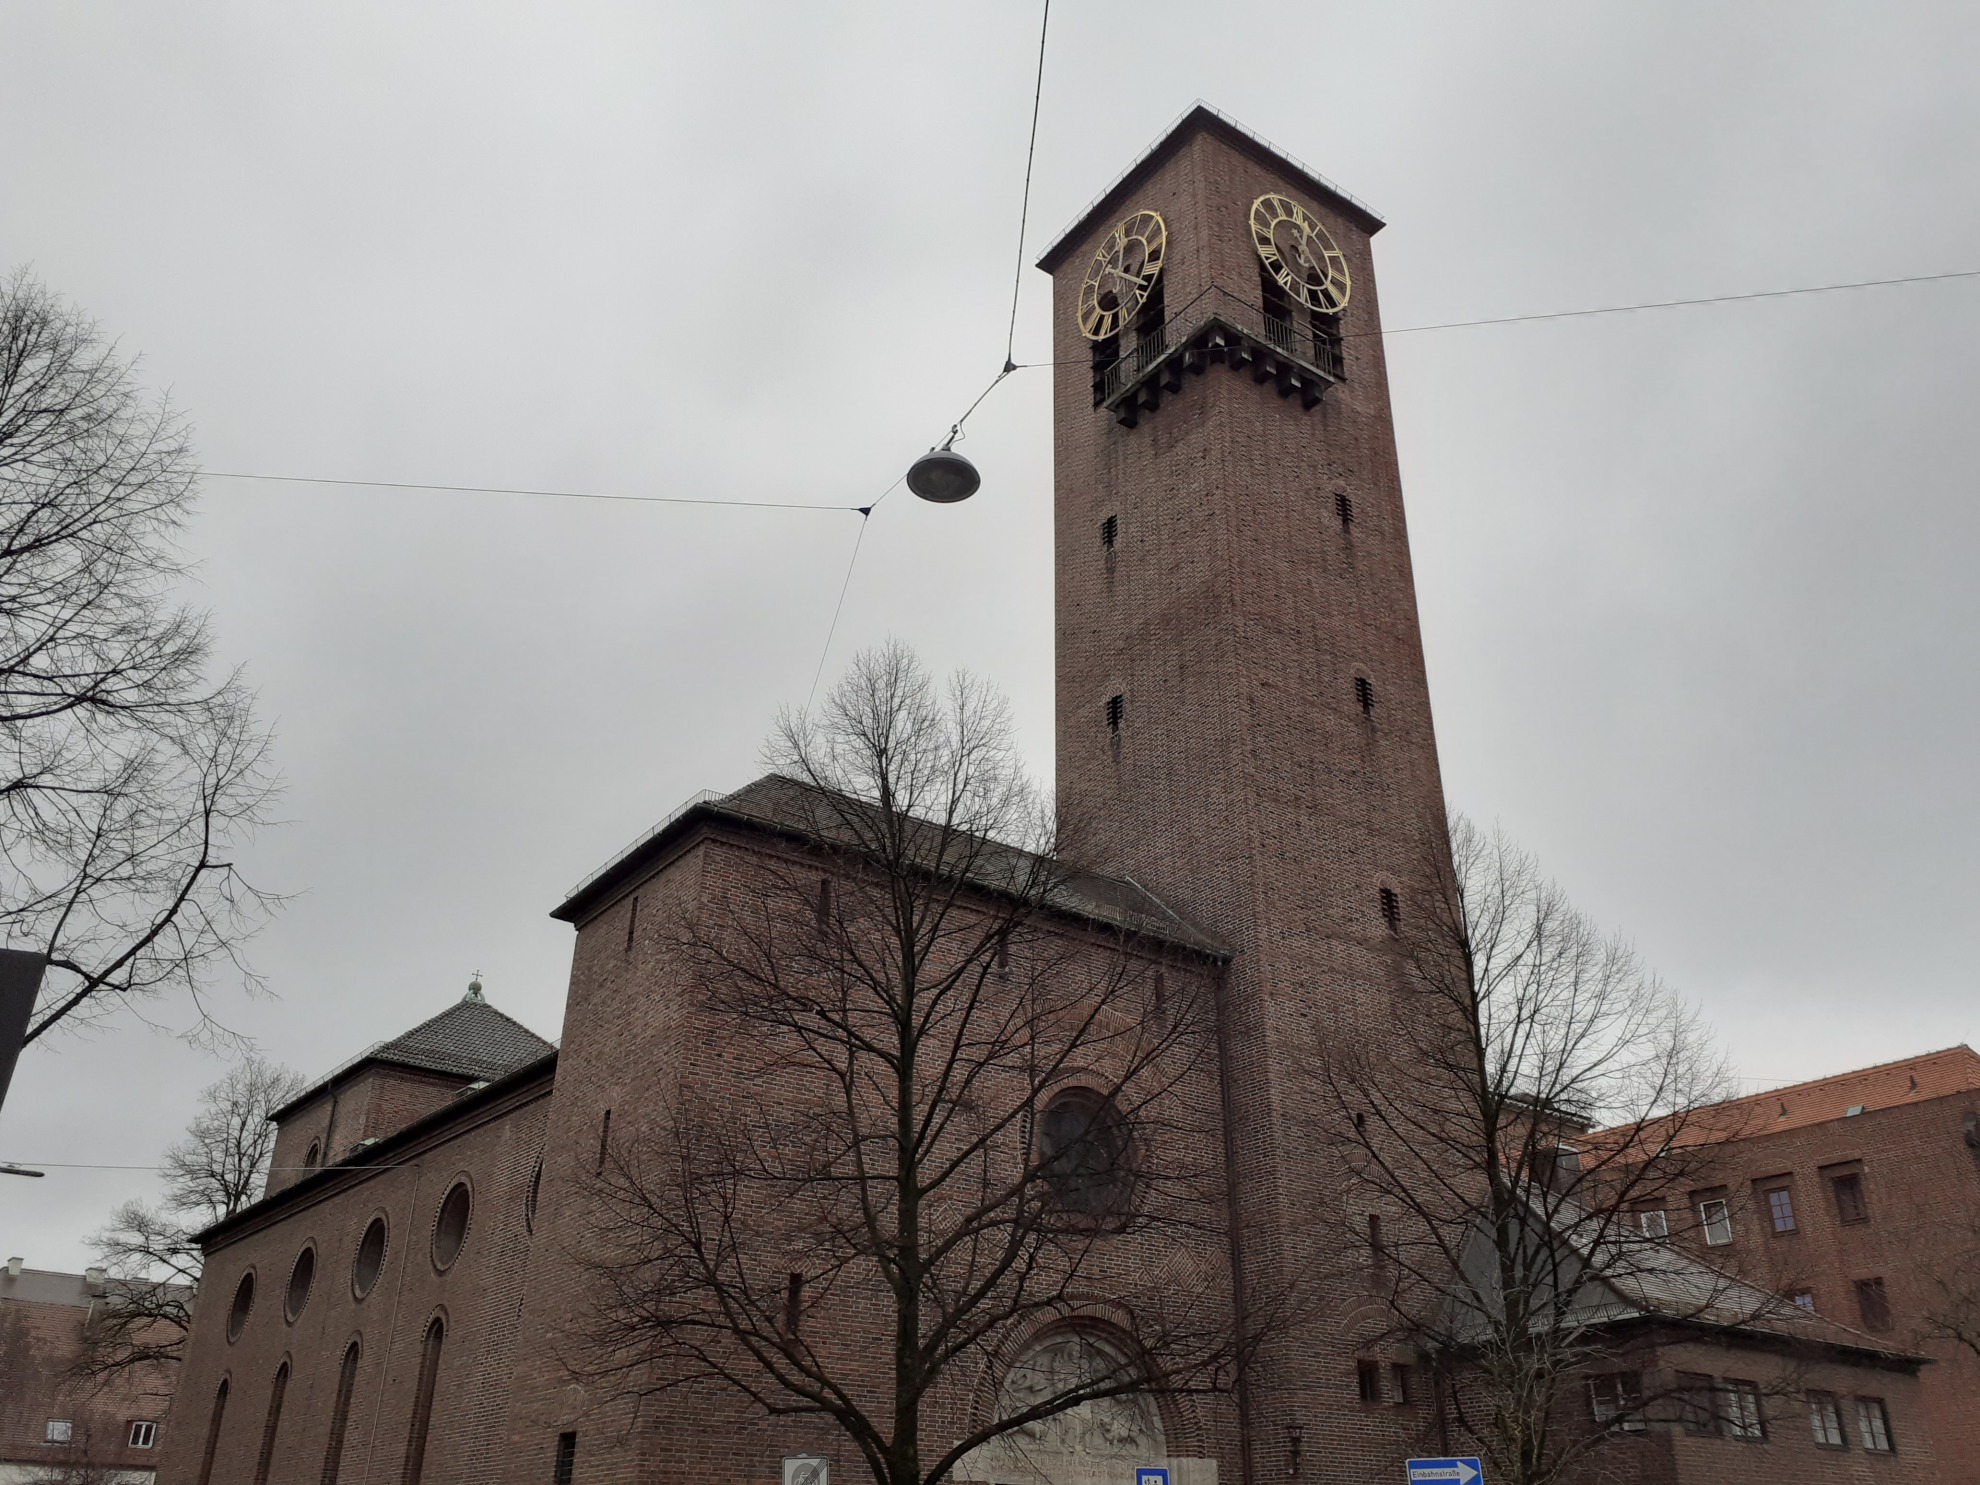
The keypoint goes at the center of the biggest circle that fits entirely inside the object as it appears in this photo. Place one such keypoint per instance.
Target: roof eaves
(1201, 116)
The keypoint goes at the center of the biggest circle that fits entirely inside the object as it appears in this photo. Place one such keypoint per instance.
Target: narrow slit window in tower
(604, 1139)
(1344, 508)
(1278, 311)
(1392, 909)
(1110, 532)
(632, 920)
(1364, 695)
(1116, 709)
(566, 1467)
(1106, 356)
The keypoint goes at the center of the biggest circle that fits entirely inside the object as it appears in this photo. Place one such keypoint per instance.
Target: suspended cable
(833, 628)
(1024, 205)
(304, 479)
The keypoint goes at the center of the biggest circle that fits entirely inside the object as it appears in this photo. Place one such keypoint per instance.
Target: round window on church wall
(370, 1259)
(1083, 1152)
(450, 1228)
(301, 1279)
(238, 1312)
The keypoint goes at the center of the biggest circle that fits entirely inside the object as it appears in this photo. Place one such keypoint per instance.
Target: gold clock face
(1300, 254)
(1123, 273)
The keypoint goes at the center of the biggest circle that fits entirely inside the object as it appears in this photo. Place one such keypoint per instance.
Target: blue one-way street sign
(1445, 1472)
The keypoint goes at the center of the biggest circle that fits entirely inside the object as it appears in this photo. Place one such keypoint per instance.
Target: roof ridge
(1855, 1072)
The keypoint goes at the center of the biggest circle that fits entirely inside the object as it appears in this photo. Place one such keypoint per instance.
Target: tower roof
(470, 1039)
(1201, 118)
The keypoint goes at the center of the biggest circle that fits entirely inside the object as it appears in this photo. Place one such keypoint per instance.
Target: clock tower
(1243, 720)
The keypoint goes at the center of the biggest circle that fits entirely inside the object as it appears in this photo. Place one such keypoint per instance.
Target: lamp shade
(943, 476)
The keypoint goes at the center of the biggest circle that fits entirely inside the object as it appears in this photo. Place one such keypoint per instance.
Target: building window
(1378, 1256)
(312, 1155)
(1825, 1420)
(1803, 1297)
(822, 910)
(1344, 508)
(450, 1226)
(1873, 1304)
(1083, 1152)
(242, 1307)
(604, 1141)
(1106, 356)
(1740, 1409)
(302, 1279)
(566, 1465)
(1653, 1223)
(1110, 531)
(370, 1259)
(1391, 909)
(1364, 695)
(213, 1432)
(144, 1433)
(1116, 710)
(1278, 310)
(1780, 1209)
(1368, 1380)
(1402, 1378)
(632, 921)
(59, 1431)
(1715, 1220)
(422, 1414)
(1850, 1205)
(340, 1415)
(1695, 1403)
(266, 1458)
(1616, 1400)
(1873, 1425)
(533, 1195)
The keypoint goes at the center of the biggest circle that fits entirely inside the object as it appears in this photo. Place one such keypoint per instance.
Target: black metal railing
(1320, 352)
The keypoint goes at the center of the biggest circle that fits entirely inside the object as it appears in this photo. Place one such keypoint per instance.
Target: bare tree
(971, 1121)
(152, 1255)
(1514, 1237)
(128, 776)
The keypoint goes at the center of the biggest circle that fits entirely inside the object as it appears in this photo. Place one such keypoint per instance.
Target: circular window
(1083, 1151)
(450, 1228)
(370, 1259)
(237, 1315)
(301, 1277)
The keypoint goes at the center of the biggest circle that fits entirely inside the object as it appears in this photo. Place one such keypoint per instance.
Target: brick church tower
(1243, 719)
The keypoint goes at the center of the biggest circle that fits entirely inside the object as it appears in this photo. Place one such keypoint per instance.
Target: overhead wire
(1024, 204)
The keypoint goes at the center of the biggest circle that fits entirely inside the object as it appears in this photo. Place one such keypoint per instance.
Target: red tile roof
(1909, 1080)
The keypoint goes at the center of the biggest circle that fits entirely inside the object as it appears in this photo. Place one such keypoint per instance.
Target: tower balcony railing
(1218, 326)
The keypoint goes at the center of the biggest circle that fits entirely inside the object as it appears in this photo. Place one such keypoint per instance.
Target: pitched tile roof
(1887, 1085)
(470, 1039)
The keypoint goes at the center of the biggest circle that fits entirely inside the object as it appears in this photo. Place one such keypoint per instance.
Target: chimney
(93, 1279)
(14, 1268)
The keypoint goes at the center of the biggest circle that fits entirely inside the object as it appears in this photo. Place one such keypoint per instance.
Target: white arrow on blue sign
(1440, 1471)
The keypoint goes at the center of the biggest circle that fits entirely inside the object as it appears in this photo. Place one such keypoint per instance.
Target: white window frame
(59, 1431)
(1718, 1229)
(1654, 1224)
(144, 1433)
(1739, 1410)
(1873, 1426)
(1616, 1400)
(1825, 1420)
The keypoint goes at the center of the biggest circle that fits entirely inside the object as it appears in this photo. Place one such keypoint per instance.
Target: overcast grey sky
(1696, 583)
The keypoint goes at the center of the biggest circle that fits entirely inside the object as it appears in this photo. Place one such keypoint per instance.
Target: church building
(1244, 732)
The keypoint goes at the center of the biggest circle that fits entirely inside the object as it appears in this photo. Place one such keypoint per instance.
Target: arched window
(1083, 1151)
(340, 1415)
(422, 1415)
(315, 1154)
(370, 1257)
(450, 1226)
(242, 1307)
(302, 1278)
(275, 1394)
(213, 1434)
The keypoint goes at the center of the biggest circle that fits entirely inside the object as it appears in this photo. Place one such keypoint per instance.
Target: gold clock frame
(1320, 281)
(1142, 239)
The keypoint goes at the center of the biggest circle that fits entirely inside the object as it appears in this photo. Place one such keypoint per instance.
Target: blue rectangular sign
(1445, 1471)
(1150, 1475)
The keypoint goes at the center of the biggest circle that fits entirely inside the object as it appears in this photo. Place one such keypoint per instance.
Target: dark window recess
(1368, 1379)
(213, 1433)
(604, 1140)
(1151, 321)
(1344, 508)
(1402, 1379)
(1327, 343)
(1739, 1407)
(1780, 1208)
(1116, 709)
(1278, 312)
(1110, 532)
(1364, 695)
(1106, 356)
(1873, 1304)
(422, 1414)
(566, 1459)
(340, 1415)
(823, 911)
(1850, 1205)
(312, 1155)
(1696, 1403)
(1391, 909)
(276, 1393)
(793, 1304)
(1378, 1256)
(1083, 1152)
(632, 920)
